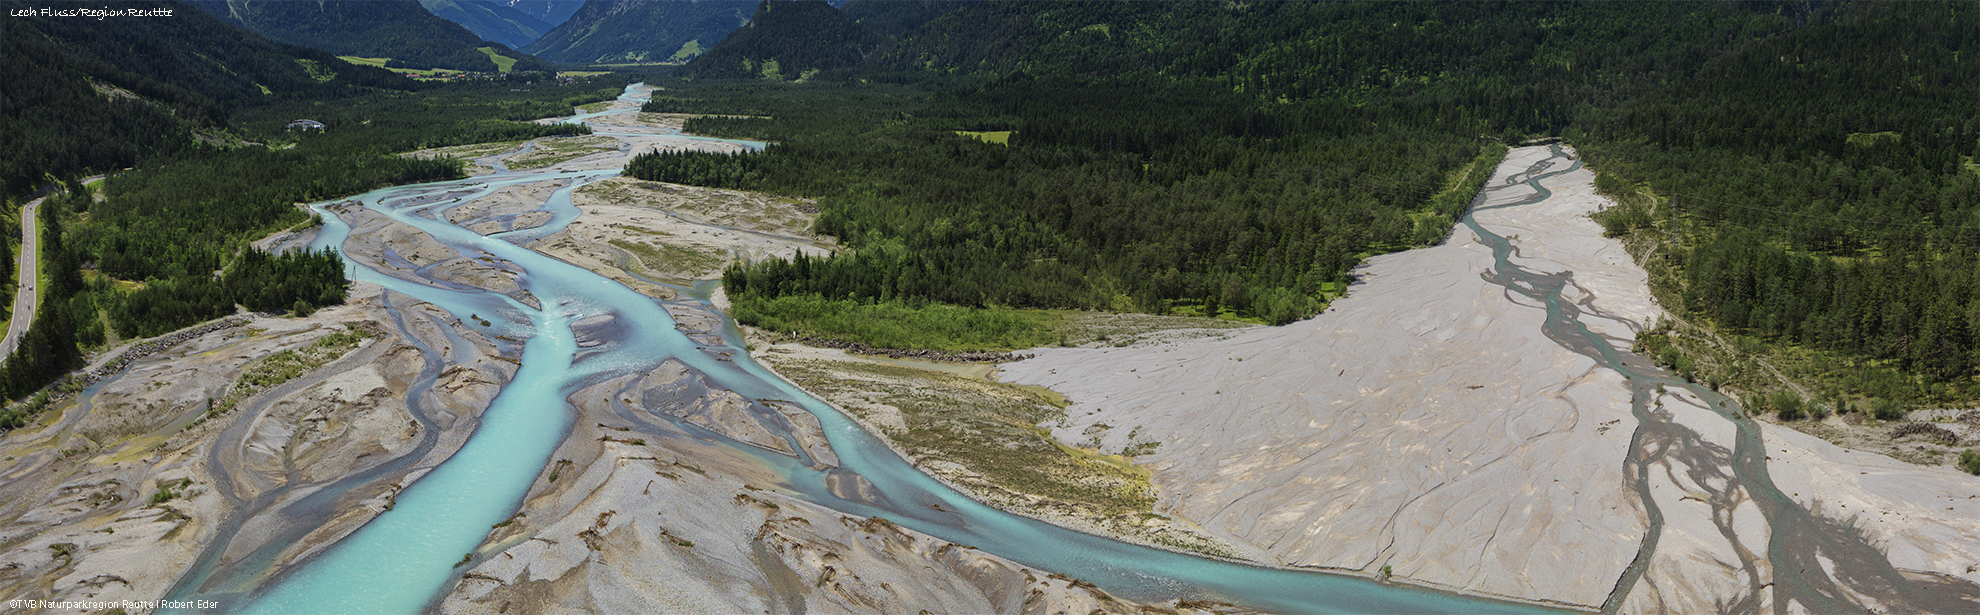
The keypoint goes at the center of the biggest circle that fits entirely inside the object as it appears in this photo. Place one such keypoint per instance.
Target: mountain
(89, 95)
(893, 18)
(491, 20)
(1084, 37)
(620, 31)
(553, 12)
(398, 29)
(788, 40)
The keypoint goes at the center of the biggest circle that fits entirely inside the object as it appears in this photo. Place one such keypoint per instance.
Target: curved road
(24, 299)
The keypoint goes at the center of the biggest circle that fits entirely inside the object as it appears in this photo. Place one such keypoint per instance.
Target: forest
(1196, 165)
(1813, 182)
(102, 96)
(1107, 196)
(179, 218)
(1809, 194)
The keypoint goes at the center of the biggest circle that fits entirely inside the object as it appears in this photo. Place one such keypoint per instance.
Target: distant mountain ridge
(629, 31)
(553, 12)
(399, 29)
(491, 20)
(788, 40)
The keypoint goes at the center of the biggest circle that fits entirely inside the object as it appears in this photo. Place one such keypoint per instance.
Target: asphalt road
(24, 301)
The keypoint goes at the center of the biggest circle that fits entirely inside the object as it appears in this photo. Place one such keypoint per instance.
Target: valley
(715, 426)
(1568, 412)
(938, 306)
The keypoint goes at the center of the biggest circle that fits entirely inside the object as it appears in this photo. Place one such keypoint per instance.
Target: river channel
(1810, 560)
(404, 560)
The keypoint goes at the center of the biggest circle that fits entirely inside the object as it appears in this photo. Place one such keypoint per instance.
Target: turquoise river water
(404, 560)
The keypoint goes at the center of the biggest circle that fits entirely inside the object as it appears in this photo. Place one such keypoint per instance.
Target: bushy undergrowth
(895, 324)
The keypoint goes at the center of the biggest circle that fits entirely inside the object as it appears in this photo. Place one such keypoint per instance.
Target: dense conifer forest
(1105, 198)
(1815, 188)
(1807, 168)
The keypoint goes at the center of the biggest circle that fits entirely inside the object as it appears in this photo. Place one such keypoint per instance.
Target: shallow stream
(1809, 558)
(405, 560)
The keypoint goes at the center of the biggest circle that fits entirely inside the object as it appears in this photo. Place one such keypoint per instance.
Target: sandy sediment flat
(1926, 519)
(1424, 422)
(134, 485)
(678, 233)
(635, 514)
(639, 518)
(1427, 424)
(506, 209)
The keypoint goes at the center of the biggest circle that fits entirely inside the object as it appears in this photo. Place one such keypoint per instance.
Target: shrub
(1886, 409)
(1787, 405)
(1620, 220)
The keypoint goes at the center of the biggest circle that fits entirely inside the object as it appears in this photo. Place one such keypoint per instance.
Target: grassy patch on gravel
(476, 150)
(553, 151)
(897, 325)
(987, 427)
(275, 369)
(958, 329)
(1000, 137)
(668, 260)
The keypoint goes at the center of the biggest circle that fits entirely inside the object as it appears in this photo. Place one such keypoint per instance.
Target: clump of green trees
(296, 281)
(710, 169)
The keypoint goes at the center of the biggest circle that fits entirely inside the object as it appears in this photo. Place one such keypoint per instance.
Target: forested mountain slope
(99, 95)
(620, 31)
(787, 40)
(398, 29)
(893, 18)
